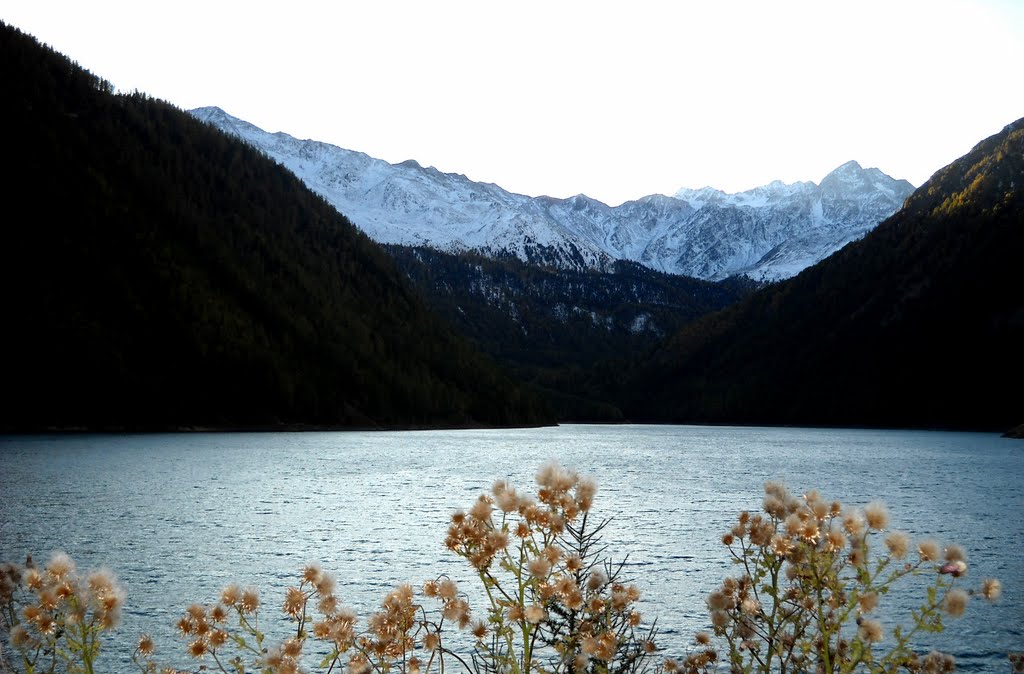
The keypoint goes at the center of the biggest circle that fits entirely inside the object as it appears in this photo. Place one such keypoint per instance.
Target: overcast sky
(615, 100)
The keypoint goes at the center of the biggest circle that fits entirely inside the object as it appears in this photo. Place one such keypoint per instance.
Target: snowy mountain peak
(209, 112)
(850, 173)
(770, 232)
(698, 198)
(851, 166)
(703, 193)
(852, 179)
(217, 117)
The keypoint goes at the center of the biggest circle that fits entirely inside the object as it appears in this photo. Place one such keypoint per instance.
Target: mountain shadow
(920, 324)
(157, 273)
(572, 335)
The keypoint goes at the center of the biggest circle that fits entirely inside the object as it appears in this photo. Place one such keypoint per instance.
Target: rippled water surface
(179, 516)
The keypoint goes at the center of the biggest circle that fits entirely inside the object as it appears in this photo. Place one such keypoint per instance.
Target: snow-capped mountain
(770, 232)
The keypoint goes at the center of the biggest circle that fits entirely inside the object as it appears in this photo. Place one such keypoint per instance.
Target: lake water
(178, 517)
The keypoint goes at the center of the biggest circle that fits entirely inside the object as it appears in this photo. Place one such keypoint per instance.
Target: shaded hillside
(158, 273)
(570, 333)
(919, 324)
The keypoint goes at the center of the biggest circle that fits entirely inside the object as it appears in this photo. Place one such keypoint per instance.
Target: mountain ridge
(919, 324)
(767, 233)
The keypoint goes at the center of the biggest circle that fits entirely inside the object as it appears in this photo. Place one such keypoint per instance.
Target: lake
(179, 516)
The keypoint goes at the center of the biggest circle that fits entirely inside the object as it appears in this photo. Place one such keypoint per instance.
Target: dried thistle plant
(55, 618)
(813, 572)
(554, 605)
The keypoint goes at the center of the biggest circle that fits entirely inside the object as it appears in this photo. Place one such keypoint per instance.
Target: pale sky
(612, 99)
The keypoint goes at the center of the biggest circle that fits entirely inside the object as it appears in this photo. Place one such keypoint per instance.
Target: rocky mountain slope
(768, 233)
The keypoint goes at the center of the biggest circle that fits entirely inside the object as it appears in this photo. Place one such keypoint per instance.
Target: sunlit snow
(768, 233)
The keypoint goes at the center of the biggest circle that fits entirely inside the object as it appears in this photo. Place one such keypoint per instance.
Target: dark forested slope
(919, 324)
(571, 334)
(157, 273)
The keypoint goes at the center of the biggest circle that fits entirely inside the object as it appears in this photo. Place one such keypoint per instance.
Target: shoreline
(1015, 433)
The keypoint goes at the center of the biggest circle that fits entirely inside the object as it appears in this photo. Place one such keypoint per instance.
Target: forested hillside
(157, 273)
(573, 335)
(919, 324)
